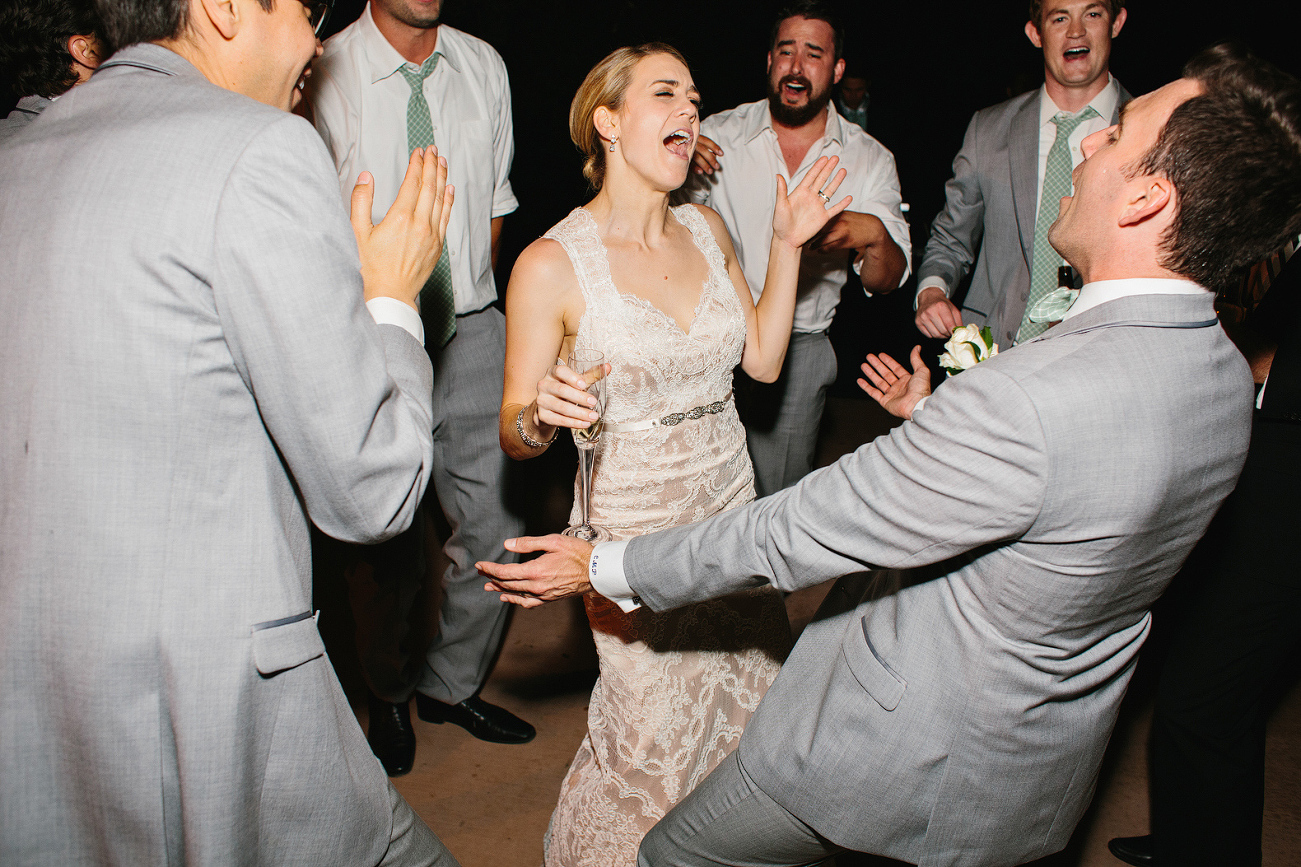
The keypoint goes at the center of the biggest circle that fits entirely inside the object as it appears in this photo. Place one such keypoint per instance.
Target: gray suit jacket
(989, 215)
(189, 374)
(24, 113)
(1054, 491)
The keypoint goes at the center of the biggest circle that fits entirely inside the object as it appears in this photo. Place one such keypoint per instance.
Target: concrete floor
(490, 803)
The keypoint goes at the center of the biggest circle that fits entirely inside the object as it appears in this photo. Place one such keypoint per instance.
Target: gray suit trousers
(782, 418)
(468, 483)
(728, 819)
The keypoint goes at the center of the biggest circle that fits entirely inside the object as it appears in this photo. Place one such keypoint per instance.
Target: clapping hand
(802, 212)
(897, 390)
(399, 254)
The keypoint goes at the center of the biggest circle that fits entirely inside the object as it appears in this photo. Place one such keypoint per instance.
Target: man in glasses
(394, 80)
(191, 377)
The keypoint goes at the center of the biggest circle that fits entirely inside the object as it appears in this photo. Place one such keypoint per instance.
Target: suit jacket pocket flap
(872, 673)
(286, 646)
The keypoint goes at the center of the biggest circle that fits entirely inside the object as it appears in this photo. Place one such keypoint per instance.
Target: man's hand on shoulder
(705, 160)
(936, 314)
(399, 254)
(561, 571)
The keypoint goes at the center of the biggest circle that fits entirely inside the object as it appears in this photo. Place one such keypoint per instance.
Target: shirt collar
(384, 60)
(1104, 103)
(1102, 291)
(761, 120)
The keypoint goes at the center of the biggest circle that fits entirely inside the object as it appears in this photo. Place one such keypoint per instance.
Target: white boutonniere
(967, 347)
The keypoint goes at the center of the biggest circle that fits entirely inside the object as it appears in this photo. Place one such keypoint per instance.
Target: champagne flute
(582, 362)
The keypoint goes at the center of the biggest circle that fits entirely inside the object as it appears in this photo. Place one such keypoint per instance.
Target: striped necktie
(1057, 184)
(437, 301)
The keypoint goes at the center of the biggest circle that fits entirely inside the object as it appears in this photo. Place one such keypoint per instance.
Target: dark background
(931, 65)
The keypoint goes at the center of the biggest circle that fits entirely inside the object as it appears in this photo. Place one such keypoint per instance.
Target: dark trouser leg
(1209, 724)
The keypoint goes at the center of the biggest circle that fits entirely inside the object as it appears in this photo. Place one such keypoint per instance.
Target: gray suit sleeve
(347, 402)
(969, 470)
(957, 230)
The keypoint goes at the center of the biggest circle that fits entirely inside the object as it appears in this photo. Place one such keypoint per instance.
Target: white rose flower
(965, 334)
(967, 347)
(965, 354)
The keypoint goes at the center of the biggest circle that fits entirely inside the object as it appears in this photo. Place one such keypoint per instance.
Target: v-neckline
(608, 275)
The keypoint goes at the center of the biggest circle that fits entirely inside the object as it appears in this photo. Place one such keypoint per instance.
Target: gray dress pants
(469, 485)
(728, 819)
(782, 418)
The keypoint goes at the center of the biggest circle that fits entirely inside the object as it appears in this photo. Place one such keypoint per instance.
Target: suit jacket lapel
(1023, 159)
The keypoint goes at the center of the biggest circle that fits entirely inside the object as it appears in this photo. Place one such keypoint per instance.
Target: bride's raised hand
(803, 211)
(563, 399)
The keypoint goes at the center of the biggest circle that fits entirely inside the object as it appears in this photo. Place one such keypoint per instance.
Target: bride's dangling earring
(613, 142)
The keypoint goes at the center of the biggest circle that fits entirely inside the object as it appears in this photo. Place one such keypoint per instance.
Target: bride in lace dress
(659, 291)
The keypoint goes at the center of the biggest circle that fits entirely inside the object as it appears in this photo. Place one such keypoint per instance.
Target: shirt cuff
(927, 283)
(605, 573)
(918, 406)
(391, 311)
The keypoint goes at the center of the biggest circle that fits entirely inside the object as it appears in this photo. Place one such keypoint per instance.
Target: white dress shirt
(1104, 104)
(360, 105)
(605, 568)
(744, 192)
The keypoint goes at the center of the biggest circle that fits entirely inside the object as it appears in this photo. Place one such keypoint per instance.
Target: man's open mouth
(1076, 53)
(795, 87)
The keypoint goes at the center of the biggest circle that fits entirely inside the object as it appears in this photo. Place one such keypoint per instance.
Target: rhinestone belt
(673, 418)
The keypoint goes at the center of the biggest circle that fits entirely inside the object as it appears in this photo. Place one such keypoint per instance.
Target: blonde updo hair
(606, 85)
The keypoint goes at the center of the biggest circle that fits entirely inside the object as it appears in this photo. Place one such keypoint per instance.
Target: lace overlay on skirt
(675, 689)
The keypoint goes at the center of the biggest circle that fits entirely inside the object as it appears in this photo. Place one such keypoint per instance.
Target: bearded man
(737, 155)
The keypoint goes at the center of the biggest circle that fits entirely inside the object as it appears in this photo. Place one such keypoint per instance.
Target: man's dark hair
(132, 21)
(34, 36)
(815, 11)
(1037, 11)
(1234, 156)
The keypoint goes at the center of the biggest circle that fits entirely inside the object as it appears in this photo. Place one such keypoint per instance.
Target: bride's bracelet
(528, 440)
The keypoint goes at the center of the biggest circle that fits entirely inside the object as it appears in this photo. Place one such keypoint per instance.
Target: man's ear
(224, 15)
(85, 50)
(1032, 33)
(1119, 22)
(1154, 196)
(607, 125)
(839, 71)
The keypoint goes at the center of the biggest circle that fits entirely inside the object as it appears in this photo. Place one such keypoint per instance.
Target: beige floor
(490, 803)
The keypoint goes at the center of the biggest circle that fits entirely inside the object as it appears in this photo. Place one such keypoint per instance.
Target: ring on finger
(825, 197)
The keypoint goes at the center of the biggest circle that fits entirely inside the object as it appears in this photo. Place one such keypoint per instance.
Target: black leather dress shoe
(485, 721)
(1133, 850)
(391, 737)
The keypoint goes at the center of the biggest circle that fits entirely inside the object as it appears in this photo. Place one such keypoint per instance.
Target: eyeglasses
(318, 13)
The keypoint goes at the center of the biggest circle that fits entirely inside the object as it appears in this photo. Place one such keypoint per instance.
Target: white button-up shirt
(744, 192)
(360, 103)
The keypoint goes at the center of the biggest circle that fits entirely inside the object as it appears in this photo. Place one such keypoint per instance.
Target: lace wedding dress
(675, 689)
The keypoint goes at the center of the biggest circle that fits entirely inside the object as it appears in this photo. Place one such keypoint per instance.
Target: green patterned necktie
(437, 302)
(1057, 184)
